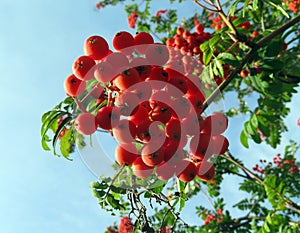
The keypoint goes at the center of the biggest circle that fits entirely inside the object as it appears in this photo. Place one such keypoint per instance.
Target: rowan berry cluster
(286, 164)
(211, 217)
(151, 104)
(293, 5)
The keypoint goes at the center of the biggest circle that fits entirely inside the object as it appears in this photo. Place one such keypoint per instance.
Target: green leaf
(45, 146)
(207, 56)
(254, 121)
(59, 130)
(272, 65)
(181, 204)
(66, 143)
(255, 5)
(278, 7)
(98, 193)
(219, 67)
(213, 41)
(244, 139)
(229, 59)
(274, 48)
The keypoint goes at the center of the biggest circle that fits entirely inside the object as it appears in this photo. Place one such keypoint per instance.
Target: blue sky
(39, 41)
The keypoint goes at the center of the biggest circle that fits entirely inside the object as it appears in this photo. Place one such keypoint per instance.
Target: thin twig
(79, 105)
(205, 7)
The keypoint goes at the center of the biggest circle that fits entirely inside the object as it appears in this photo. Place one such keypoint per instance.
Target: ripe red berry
(127, 78)
(141, 114)
(86, 124)
(157, 54)
(215, 124)
(173, 129)
(122, 40)
(202, 146)
(124, 131)
(140, 169)
(125, 154)
(141, 40)
(199, 28)
(186, 170)
(177, 85)
(104, 72)
(221, 144)
(164, 171)
(157, 78)
(161, 112)
(244, 73)
(118, 61)
(96, 47)
(74, 86)
(152, 156)
(180, 30)
(107, 116)
(82, 68)
(255, 33)
(205, 170)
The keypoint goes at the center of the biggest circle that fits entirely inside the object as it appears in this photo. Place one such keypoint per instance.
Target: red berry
(152, 156)
(122, 40)
(127, 78)
(186, 170)
(202, 146)
(104, 72)
(118, 61)
(74, 86)
(127, 103)
(96, 47)
(140, 169)
(86, 124)
(164, 171)
(161, 112)
(205, 170)
(173, 129)
(180, 30)
(125, 154)
(199, 28)
(215, 124)
(221, 144)
(244, 73)
(124, 131)
(107, 116)
(82, 66)
(157, 54)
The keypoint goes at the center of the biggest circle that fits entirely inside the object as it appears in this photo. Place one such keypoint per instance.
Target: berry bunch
(189, 42)
(293, 5)
(151, 104)
(211, 217)
(281, 163)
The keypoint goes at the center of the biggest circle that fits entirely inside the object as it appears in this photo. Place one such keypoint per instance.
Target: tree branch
(247, 57)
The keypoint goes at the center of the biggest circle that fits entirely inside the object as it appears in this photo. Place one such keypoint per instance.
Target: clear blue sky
(39, 41)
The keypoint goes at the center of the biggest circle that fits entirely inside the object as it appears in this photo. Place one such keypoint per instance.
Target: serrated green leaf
(207, 56)
(229, 59)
